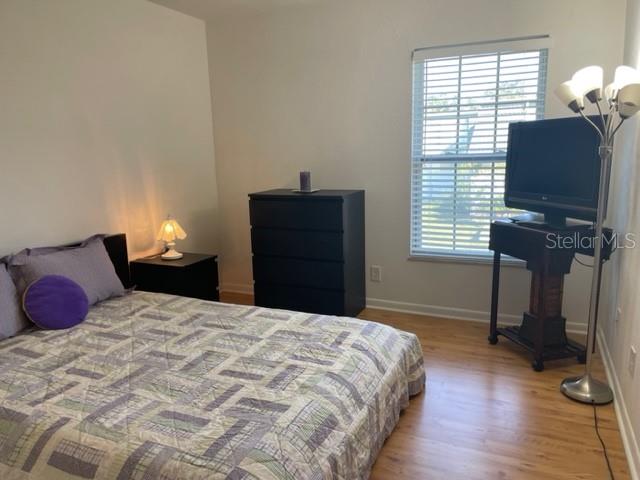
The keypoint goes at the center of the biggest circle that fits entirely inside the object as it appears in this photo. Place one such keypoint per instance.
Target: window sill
(506, 261)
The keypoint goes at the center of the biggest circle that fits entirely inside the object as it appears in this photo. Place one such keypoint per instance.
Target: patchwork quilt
(155, 386)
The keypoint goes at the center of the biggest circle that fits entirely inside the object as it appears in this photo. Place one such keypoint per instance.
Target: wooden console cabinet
(548, 253)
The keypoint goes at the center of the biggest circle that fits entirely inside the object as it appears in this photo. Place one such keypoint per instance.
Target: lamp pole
(585, 388)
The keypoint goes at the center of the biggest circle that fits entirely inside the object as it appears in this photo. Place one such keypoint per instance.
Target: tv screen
(553, 167)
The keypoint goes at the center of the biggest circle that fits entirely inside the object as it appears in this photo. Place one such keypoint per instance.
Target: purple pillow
(54, 302)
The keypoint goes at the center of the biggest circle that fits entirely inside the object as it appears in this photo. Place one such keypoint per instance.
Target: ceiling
(212, 9)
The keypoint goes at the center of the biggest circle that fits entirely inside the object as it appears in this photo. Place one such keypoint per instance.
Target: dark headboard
(116, 246)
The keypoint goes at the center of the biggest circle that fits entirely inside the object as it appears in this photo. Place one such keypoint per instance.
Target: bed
(153, 386)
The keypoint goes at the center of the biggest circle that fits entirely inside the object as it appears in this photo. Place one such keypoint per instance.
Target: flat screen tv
(553, 168)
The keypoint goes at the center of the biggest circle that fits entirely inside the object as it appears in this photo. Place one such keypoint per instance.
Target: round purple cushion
(54, 302)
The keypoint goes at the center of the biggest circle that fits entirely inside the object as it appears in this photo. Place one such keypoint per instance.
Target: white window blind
(463, 100)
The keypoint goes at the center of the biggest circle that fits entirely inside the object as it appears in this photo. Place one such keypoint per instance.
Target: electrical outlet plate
(633, 356)
(376, 273)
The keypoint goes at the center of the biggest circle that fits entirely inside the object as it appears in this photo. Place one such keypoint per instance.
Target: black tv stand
(542, 332)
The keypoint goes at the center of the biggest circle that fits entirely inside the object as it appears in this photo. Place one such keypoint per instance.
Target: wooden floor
(486, 414)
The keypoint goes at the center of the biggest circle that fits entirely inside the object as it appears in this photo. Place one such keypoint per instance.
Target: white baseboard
(457, 313)
(237, 288)
(629, 440)
(422, 309)
(439, 311)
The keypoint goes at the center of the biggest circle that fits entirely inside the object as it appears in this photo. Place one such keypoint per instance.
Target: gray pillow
(88, 265)
(12, 320)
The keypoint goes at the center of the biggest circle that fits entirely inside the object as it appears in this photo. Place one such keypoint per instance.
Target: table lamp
(621, 101)
(170, 230)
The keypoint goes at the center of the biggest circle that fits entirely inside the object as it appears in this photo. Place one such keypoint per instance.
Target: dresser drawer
(303, 273)
(327, 302)
(300, 214)
(297, 243)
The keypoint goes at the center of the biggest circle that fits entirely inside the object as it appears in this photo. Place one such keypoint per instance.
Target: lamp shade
(171, 230)
(625, 75)
(588, 81)
(629, 100)
(568, 95)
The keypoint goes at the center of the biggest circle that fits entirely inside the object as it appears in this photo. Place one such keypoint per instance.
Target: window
(463, 100)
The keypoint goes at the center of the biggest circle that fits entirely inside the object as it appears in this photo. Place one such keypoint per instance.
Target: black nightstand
(194, 275)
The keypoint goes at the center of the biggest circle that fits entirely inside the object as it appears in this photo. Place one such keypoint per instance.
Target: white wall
(326, 86)
(622, 281)
(105, 123)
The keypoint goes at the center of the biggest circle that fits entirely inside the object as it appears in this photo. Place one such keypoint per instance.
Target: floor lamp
(622, 99)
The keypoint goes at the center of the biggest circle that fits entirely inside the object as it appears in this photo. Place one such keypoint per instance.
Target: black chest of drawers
(309, 250)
